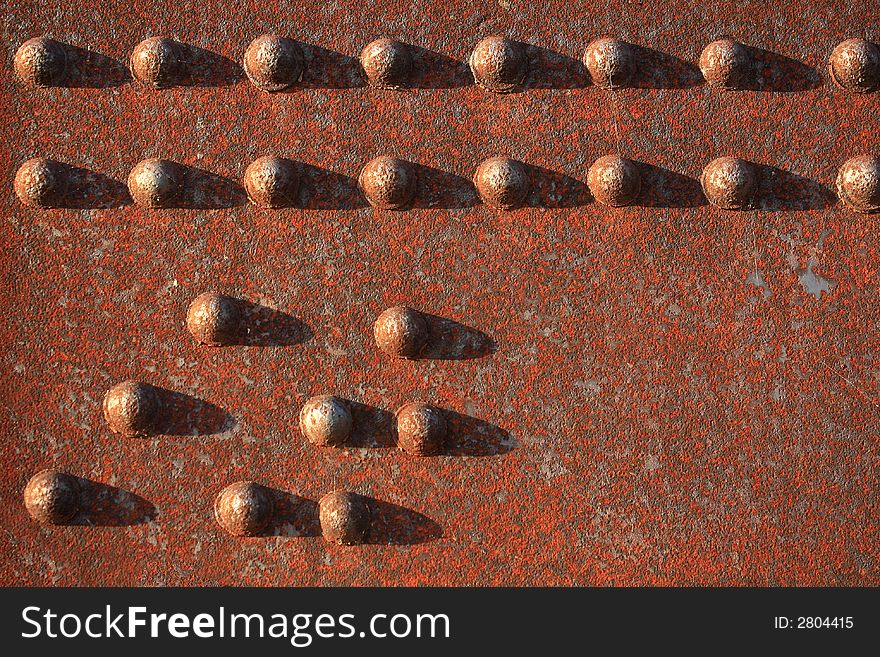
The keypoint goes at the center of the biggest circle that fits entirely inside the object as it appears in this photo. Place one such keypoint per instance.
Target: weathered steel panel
(644, 413)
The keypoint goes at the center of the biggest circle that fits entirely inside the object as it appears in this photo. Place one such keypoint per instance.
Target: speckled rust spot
(421, 429)
(272, 182)
(52, 497)
(41, 183)
(387, 63)
(155, 183)
(858, 183)
(502, 183)
(41, 62)
(729, 182)
(157, 62)
(345, 518)
(610, 62)
(273, 63)
(214, 319)
(499, 64)
(401, 331)
(388, 183)
(854, 65)
(244, 508)
(131, 408)
(326, 420)
(614, 180)
(726, 64)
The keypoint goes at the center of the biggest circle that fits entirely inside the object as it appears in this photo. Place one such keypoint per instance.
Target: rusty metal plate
(664, 393)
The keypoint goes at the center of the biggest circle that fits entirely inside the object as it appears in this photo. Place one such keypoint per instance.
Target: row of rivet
(131, 408)
(498, 64)
(389, 183)
(244, 508)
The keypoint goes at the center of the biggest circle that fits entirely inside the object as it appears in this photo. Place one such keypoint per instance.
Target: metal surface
(669, 392)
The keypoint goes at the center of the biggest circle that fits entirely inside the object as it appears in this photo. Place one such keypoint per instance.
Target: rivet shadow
(470, 436)
(433, 70)
(662, 188)
(328, 69)
(391, 524)
(102, 505)
(777, 73)
(554, 189)
(660, 70)
(321, 189)
(441, 189)
(88, 189)
(204, 190)
(267, 327)
(184, 415)
(371, 427)
(549, 69)
(451, 340)
(203, 68)
(780, 190)
(294, 516)
(90, 69)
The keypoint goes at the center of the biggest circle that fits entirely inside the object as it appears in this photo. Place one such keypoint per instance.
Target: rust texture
(662, 393)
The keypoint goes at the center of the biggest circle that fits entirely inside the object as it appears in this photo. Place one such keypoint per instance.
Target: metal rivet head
(388, 183)
(273, 63)
(52, 497)
(610, 62)
(41, 183)
(41, 62)
(155, 183)
(858, 183)
(244, 508)
(854, 65)
(345, 518)
(157, 62)
(499, 64)
(614, 180)
(387, 63)
(131, 408)
(502, 183)
(214, 319)
(272, 182)
(326, 421)
(421, 429)
(729, 182)
(401, 332)
(726, 64)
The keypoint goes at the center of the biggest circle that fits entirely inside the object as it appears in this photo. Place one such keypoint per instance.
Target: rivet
(499, 64)
(388, 183)
(214, 319)
(614, 180)
(41, 62)
(131, 408)
(41, 183)
(345, 518)
(854, 65)
(401, 331)
(610, 62)
(157, 62)
(729, 182)
(272, 182)
(387, 63)
(726, 63)
(502, 183)
(421, 429)
(155, 183)
(52, 497)
(273, 63)
(326, 420)
(858, 183)
(244, 508)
